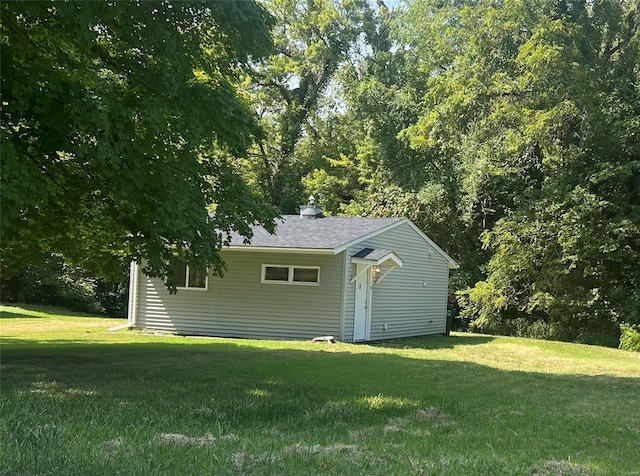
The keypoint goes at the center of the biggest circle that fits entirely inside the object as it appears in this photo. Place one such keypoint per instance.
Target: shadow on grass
(193, 387)
(40, 311)
(432, 342)
(17, 310)
(14, 315)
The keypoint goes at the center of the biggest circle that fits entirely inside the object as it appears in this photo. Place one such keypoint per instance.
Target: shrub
(630, 338)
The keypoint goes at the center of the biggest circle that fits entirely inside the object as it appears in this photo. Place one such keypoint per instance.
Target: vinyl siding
(239, 305)
(401, 300)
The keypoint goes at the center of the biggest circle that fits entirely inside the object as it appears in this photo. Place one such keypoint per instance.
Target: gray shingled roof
(314, 233)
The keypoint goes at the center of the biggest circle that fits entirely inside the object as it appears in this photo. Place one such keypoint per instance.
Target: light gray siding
(239, 305)
(411, 300)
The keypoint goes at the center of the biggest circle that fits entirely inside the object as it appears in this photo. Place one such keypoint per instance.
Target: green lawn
(78, 399)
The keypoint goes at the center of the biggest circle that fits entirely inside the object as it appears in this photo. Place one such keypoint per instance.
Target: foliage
(313, 38)
(114, 124)
(535, 106)
(56, 283)
(506, 130)
(630, 338)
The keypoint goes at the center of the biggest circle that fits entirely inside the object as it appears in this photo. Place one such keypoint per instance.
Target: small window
(187, 278)
(309, 275)
(196, 279)
(276, 273)
(305, 275)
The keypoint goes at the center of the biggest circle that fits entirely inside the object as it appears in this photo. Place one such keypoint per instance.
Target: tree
(538, 104)
(117, 121)
(313, 38)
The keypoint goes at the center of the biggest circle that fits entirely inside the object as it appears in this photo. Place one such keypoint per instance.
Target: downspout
(132, 308)
(343, 296)
(132, 317)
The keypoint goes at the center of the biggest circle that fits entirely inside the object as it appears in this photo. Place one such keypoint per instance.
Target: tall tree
(114, 117)
(539, 104)
(381, 95)
(312, 39)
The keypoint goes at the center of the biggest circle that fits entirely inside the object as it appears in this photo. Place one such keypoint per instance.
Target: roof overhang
(382, 262)
(377, 257)
(273, 249)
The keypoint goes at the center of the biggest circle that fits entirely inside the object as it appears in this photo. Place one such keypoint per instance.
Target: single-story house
(354, 278)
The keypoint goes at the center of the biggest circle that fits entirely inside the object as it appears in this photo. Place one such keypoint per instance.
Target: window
(305, 275)
(187, 278)
(277, 274)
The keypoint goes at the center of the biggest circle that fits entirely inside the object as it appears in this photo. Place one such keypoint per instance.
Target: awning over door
(382, 261)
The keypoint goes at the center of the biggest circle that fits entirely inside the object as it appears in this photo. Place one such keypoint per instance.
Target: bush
(593, 332)
(630, 338)
(56, 283)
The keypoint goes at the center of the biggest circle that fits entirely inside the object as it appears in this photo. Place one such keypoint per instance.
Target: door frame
(363, 279)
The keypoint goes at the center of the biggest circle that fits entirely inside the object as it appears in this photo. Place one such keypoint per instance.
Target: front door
(361, 324)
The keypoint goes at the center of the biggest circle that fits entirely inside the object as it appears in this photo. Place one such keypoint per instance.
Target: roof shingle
(314, 233)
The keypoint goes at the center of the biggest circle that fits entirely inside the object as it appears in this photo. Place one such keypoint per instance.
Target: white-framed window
(188, 278)
(285, 274)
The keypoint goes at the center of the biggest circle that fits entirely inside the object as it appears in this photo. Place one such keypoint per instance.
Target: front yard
(78, 399)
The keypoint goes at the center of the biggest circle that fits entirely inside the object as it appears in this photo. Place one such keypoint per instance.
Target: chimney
(310, 210)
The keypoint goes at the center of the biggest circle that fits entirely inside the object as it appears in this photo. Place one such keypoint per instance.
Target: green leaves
(313, 39)
(524, 102)
(112, 136)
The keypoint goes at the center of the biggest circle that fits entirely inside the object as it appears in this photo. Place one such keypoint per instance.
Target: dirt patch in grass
(239, 459)
(561, 468)
(204, 411)
(112, 446)
(395, 425)
(441, 420)
(399, 425)
(334, 448)
(427, 413)
(184, 440)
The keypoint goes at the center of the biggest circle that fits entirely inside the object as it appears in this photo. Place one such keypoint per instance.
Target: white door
(362, 311)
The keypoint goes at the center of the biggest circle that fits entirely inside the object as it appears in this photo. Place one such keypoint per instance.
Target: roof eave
(450, 260)
(388, 257)
(282, 249)
(344, 246)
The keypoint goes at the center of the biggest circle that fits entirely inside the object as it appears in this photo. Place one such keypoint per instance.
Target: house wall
(239, 305)
(402, 300)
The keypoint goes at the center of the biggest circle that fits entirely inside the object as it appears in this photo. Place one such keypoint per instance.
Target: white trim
(369, 305)
(344, 246)
(290, 275)
(193, 288)
(367, 266)
(370, 263)
(389, 256)
(367, 275)
(132, 314)
(378, 280)
(343, 295)
(452, 263)
(318, 251)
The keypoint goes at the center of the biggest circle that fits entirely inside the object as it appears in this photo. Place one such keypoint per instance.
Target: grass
(78, 399)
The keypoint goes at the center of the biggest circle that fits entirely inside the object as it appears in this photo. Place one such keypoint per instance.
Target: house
(355, 278)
